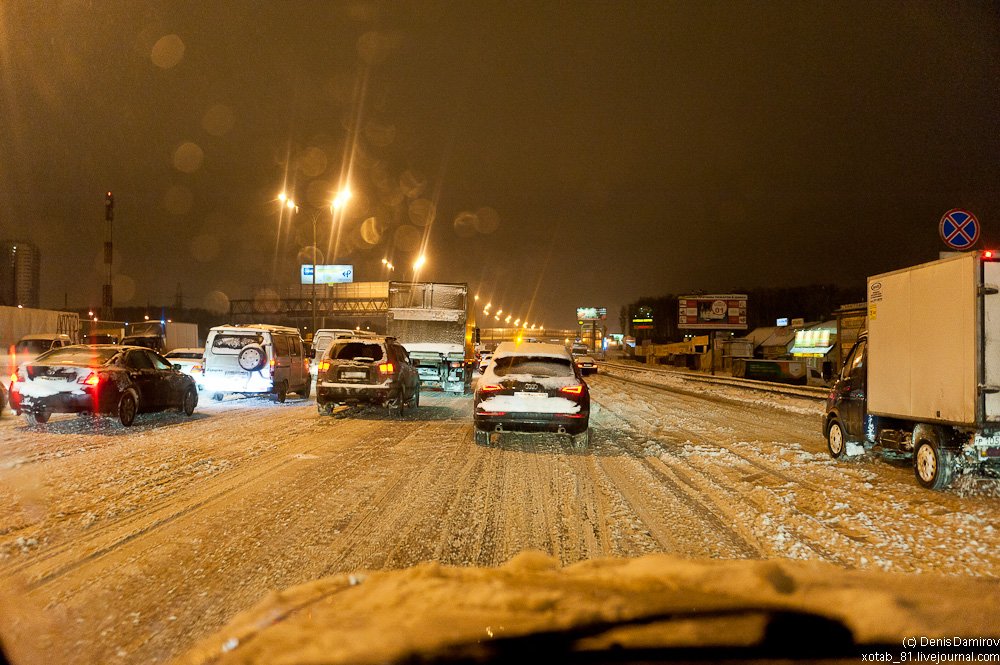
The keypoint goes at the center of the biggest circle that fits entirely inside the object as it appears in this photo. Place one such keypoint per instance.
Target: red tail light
(324, 365)
(91, 379)
(572, 390)
(492, 388)
(386, 368)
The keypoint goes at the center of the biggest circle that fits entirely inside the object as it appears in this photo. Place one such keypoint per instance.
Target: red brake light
(386, 368)
(324, 365)
(492, 388)
(572, 390)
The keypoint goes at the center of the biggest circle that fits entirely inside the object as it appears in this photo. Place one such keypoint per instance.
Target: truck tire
(252, 357)
(835, 442)
(581, 441)
(306, 391)
(933, 464)
(281, 392)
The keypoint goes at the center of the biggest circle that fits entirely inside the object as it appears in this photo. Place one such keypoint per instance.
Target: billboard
(591, 314)
(713, 312)
(327, 274)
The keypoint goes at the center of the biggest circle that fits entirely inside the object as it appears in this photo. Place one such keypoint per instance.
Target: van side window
(280, 345)
(296, 347)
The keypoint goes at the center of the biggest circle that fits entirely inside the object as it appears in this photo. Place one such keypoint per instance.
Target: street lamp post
(338, 202)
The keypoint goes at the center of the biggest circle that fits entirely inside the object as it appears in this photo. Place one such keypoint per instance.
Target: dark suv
(367, 370)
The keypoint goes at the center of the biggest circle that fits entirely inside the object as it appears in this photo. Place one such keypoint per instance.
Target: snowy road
(129, 545)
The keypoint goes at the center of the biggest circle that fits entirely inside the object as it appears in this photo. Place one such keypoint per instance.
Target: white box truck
(436, 325)
(923, 379)
(162, 336)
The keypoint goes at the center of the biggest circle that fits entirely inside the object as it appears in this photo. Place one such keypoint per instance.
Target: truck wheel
(281, 392)
(307, 391)
(835, 440)
(581, 441)
(933, 464)
(36, 417)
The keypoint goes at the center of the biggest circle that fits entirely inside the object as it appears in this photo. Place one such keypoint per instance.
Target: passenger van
(323, 338)
(255, 359)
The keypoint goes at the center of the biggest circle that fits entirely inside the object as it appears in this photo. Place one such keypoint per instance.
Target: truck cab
(845, 407)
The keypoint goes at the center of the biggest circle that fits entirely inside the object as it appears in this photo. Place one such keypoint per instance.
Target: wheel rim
(926, 463)
(128, 410)
(188, 402)
(836, 439)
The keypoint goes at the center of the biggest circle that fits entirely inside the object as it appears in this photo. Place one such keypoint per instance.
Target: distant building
(20, 272)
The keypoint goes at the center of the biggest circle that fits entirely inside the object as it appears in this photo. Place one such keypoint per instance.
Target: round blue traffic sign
(959, 229)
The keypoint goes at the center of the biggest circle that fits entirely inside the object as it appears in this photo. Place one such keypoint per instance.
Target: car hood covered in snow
(532, 606)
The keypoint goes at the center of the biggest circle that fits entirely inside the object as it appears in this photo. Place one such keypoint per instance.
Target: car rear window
(534, 365)
(32, 346)
(79, 355)
(183, 354)
(235, 341)
(361, 351)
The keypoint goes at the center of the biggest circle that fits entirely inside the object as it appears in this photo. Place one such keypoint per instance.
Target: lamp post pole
(313, 329)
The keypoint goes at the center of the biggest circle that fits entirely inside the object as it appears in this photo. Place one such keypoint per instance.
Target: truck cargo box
(933, 349)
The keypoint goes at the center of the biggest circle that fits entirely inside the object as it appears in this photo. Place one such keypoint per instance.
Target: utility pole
(107, 298)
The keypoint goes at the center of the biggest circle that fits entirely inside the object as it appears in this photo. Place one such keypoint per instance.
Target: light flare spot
(168, 51)
(422, 212)
(407, 238)
(188, 157)
(465, 224)
(218, 120)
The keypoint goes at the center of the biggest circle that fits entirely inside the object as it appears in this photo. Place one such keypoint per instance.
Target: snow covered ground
(129, 545)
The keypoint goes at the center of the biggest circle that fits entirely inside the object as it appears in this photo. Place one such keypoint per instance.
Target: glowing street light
(341, 199)
(419, 263)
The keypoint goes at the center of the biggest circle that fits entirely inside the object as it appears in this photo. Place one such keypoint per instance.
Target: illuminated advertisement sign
(713, 312)
(327, 274)
(591, 314)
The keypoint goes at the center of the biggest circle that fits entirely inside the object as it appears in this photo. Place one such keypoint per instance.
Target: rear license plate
(535, 395)
(354, 375)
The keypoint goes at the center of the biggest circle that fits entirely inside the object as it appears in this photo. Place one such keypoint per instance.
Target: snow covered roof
(540, 349)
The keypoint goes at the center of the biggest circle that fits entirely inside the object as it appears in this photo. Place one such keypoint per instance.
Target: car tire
(252, 357)
(836, 444)
(189, 402)
(127, 408)
(415, 398)
(36, 417)
(307, 390)
(218, 397)
(281, 392)
(933, 464)
(581, 441)
(482, 437)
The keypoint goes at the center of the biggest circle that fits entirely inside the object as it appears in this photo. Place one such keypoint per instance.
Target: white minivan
(255, 359)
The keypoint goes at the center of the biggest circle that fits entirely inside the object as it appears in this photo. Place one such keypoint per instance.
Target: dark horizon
(575, 157)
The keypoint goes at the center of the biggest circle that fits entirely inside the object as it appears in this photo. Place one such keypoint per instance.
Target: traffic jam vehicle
(532, 387)
(923, 381)
(119, 381)
(255, 359)
(367, 370)
(586, 364)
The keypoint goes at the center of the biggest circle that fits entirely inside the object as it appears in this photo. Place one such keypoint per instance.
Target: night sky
(551, 154)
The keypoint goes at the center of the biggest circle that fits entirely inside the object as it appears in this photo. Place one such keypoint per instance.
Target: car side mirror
(177, 366)
(312, 354)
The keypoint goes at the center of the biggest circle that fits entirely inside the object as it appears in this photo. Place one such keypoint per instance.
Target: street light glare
(418, 264)
(341, 199)
(290, 204)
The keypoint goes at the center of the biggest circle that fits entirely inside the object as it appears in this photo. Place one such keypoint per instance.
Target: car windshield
(537, 366)
(358, 351)
(465, 298)
(78, 355)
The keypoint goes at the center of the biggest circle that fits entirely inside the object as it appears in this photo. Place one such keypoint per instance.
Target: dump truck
(923, 378)
(435, 324)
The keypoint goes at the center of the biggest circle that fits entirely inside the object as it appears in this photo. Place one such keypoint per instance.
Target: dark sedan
(120, 381)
